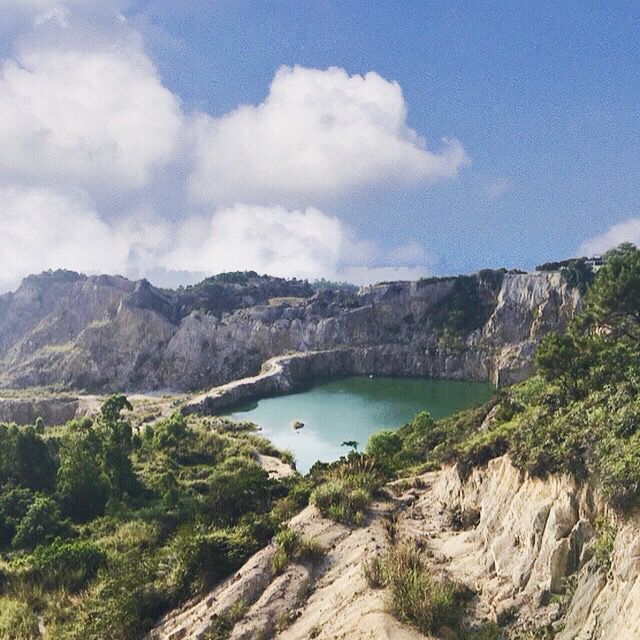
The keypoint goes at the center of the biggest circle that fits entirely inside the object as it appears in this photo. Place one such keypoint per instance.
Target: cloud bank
(626, 231)
(42, 229)
(92, 142)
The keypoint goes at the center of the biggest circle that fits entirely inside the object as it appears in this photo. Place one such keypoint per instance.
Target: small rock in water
(297, 424)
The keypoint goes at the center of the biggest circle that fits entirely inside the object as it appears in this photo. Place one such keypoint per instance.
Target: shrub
(122, 604)
(67, 564)
(605, 541)
(14, 504)
(41, 524)
(383, 448)
(417, 598)
(618, 464)
(222, 624)
(234, 492)
(194, 560)
(347, 490)
(374, 572)
(291, 546)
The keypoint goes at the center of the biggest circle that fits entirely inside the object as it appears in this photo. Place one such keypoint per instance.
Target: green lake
(352, 409)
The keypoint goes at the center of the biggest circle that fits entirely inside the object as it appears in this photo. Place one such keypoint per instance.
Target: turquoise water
(353, 409)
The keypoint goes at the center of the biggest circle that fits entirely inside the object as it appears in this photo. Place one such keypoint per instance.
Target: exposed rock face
(526, 554)
(26, 411)
(531, 537)
(108, 333)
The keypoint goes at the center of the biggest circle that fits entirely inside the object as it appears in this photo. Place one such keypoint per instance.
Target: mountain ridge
(108, 333)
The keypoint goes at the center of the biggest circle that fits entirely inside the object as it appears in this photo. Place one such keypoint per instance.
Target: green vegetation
(104, 527)
(469, 304)
(576, 272)
(222, 624)
(605, 540)
(291, 546)
(421, 599)
(580, 413)
(346, 488)
(416, 597)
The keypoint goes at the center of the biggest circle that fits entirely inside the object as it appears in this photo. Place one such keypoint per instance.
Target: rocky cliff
(523, 548)
(108, 333)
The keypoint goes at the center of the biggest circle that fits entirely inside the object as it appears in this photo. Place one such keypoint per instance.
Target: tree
(613, 301)
(14, 504)
(116, 435)
(564, 359)
(383, 447)
(25, 459)
(41, 524)
(82, 485)
(578, 274)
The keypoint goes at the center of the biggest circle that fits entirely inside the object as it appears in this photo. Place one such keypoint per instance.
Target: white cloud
(88, 132)
(100, 118)
(42, 229)
(266, 239)
(316, 134)
(627, 231)
(497, 188)
(299, 243)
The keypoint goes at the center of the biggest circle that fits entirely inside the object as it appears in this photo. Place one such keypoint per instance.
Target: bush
(383, 447)
(41, 524)
(416, 597)
(67, 564)
(234, 492)
(291, 546)
(14, 504)
(374, 572)
(346, 488)
(339, 500)
(222, 624)
(122, 604)
(605, 540)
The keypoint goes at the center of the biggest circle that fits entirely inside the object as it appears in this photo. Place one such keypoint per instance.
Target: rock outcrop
(523, 548)
(53, 410)
(530, 558)
(107, 333)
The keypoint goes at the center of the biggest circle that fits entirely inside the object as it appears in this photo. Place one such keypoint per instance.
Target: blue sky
(544, 99)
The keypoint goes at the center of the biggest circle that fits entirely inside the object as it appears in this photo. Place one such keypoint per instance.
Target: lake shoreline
(351, 409)
(292, 372)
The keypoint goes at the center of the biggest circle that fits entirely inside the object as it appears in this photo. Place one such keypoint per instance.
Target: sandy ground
(330, 600)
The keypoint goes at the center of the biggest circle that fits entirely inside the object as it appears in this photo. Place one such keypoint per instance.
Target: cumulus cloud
(44, 229)
(318, 132)
(89, 132)
(626, 231)
(302, 243)
(100, 118)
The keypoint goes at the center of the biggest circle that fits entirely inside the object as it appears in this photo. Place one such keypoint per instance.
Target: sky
(347, 140)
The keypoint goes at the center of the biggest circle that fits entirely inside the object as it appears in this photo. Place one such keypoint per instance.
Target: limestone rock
(104, 333)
